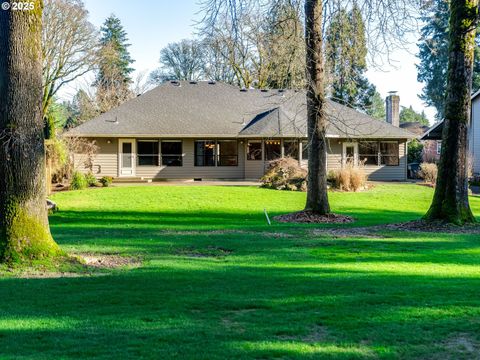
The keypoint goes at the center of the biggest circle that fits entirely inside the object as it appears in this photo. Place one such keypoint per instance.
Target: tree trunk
(317, 196)
(450, 201)
(24, 230)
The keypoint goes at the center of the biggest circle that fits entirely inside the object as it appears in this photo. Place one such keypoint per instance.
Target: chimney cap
(393, 92)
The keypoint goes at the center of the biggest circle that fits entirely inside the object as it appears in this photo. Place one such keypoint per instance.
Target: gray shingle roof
(221, 110)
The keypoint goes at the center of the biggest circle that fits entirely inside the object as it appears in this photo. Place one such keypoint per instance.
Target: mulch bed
(410, 226)
(313, 218)
(434, 227)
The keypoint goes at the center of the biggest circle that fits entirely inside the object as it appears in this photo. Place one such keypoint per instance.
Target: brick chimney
(393, 108)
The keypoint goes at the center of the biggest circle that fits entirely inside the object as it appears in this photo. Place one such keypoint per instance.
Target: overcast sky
(152, 24)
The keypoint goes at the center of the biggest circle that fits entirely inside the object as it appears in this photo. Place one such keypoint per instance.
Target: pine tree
(113, 78)
(433, 55)
(346, 53)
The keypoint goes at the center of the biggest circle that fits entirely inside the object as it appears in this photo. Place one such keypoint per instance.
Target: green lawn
(218, 283)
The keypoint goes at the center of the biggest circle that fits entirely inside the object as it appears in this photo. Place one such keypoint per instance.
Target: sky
(152, 24)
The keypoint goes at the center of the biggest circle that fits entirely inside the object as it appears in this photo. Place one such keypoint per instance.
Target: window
(204, 153)
(305, 146)
(290, 148)
(147, 152)
(227, 153)
(272, 149)
(368, 152)
(172, 154)
(439, 147)
(254, 150)
(389, 154)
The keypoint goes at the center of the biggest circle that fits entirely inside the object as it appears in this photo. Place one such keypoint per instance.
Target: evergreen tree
(433, 55)
(346, 53)
(113, 78)
(285, 45)
(377, 108)
(410, 115)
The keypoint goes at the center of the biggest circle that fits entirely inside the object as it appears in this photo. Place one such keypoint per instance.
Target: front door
(127, 157)
(350, 153)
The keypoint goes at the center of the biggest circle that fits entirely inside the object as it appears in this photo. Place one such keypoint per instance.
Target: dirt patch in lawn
(463, 345)
(226, 232)
(317, 334)
(313, 218)
(434, 227)
(209, 251)
(109, 261)
(372, 232)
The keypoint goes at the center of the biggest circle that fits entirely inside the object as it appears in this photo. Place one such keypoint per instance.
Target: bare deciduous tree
(69, 43)
(183, 60)
(388, 26)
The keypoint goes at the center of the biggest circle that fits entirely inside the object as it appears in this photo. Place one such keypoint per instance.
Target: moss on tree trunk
(24, 230)
(450, 201)
(317, 195)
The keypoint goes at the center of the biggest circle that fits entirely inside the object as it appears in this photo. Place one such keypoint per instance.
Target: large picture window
(368, 152)
(273, 149)
(389, 153)
(147, 152)
(291, 148)
(172, 154)
(204, 153)
(254, 150)
(227, 153)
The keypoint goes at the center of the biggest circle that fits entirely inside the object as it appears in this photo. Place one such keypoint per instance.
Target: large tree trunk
(24, 230)
(317, 196)
(450, 201)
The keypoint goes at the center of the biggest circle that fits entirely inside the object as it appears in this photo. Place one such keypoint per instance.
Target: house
(431, 148)
(435, 133)
(211, 130)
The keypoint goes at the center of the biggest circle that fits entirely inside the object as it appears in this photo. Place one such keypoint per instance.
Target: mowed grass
(218, 283)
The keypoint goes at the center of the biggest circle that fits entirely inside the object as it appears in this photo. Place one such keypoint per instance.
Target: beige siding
(378, 173)
(189, 171)
(254, 169)
(334, 155)
(105, 162)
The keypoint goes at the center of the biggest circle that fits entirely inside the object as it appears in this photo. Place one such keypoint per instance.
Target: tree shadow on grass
(220, 312)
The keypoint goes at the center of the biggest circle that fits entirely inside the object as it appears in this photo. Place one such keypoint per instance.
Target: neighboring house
(435, 133)
(211, 130)
(431, 148)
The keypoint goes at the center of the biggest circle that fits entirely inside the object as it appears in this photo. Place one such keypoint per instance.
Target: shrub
(285, 174)
(358, 179)
(428, 172)
(90, 179)
(106, 181)
(415, 151)
(78, 181)
(349, 178)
